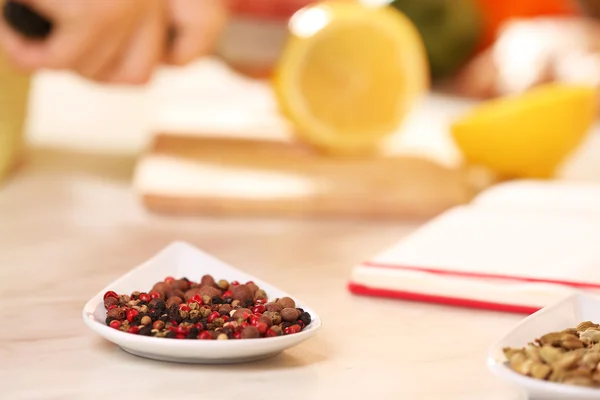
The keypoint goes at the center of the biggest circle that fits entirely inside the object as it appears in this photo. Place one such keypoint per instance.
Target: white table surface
(69, 224)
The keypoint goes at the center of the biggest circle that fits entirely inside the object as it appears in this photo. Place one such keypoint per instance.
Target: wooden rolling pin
(231, 176)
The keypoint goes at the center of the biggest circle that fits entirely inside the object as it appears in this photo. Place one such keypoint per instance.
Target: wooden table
(70, 224)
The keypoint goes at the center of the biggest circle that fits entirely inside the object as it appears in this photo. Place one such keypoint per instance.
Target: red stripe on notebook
(443, 300)
(479, 275)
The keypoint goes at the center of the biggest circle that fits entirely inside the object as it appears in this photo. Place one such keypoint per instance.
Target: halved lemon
(349, 74)
(528, 135)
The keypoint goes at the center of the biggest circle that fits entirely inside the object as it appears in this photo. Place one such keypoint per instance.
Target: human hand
(116, 41)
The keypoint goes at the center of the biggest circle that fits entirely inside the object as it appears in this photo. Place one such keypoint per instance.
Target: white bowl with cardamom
(565, 314)
(181, 259)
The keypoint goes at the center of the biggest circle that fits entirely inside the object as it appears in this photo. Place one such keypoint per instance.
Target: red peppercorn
(227, 293)
(154, 295)
(197, 299)
(253, 320)
(237, 335)
(134, 330)
(292, 329)
(212, 316)
(111, 307)
(199, 326)
(184, 307)
(110, 293)
(299, 322)
(131, 314)
(249, 282)
(115, 324)
(262, 328)
(270, 333)
(260, 300)
(169, 279)
(244, 324)
(145, 297)
(205, 335)
(225, 318)
(180, 330)
(180, 336)
(234, 283)
(259, 309)
(174, 323)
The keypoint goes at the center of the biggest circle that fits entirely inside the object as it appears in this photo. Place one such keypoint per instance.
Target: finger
(144, 50)
(198, 24)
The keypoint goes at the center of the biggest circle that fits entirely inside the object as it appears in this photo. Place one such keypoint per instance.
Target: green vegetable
(450, 29)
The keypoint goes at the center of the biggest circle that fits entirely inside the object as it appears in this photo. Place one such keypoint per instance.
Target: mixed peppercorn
(207, 310)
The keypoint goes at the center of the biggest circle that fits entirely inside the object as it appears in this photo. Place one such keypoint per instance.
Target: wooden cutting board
(204, 175)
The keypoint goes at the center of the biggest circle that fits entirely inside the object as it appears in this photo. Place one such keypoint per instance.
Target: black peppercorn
(228, 300)
(195, 320)
(155, 314)
(305, 318)
(109, 320)
(193, 333)
(286, 324)
(165, 318)
(170, 335)
(217, 300)
(146, 330)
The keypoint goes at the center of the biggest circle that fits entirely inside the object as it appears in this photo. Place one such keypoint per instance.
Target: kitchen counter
(70, 224)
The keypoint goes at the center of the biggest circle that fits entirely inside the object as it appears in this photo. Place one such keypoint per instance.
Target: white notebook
(517, 247)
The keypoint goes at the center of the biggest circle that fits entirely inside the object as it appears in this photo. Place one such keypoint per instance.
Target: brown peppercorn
(275, 317)
(253, 287)
(286, 302)
(208, 280)
(207, 300)
(239, 313)
(176, 293)
(289, 314)
(192, 292)
(160, 287)
(180, 284)
(225, 308)
(174, 300)
(160, 325)
(242, 293)
(260, 294)
(235, 303)
(273, 307)
(223, 284)
(146, 320)
(116, 313)
(277, 329)
(209, 291)
(266, 320)
(110, 301)
(250, 332)
(217, 322)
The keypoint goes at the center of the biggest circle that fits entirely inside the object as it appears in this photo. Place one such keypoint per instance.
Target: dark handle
(26, 21)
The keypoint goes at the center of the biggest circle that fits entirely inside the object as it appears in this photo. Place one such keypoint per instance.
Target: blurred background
(448, 98)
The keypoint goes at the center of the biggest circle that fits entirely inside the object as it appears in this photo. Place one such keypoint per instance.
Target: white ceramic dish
(178, 260)
(564, 314)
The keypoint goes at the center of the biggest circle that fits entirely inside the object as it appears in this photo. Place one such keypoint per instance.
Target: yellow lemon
(528, 135)
(348, 74)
